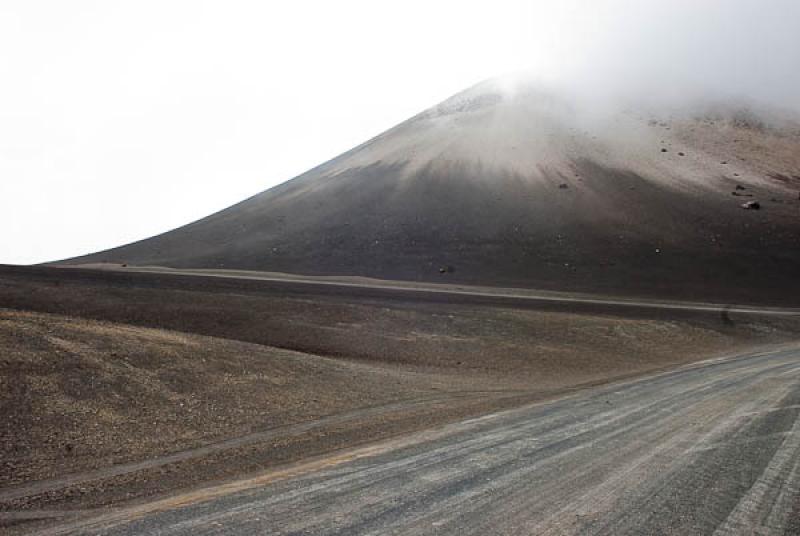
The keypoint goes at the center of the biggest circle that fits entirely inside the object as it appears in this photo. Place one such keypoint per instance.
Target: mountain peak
(510, 184)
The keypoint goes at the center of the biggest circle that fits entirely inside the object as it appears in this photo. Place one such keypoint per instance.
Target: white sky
(120, 120)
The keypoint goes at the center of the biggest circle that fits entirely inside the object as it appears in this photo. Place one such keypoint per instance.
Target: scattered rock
(751, 205)
(124, 265)
(447, 269)
(740, 187)
(563, 186)
(681, 154)
(724, 162)
(735, 174)
(663, 150)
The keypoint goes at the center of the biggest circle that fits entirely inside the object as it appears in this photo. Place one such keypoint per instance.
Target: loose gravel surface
(708, 449)
(119, 388)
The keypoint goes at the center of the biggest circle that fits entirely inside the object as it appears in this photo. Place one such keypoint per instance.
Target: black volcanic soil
(115, 369)
(519, 190)
(657, 243)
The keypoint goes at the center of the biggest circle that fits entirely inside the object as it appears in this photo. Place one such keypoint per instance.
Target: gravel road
(712, 448)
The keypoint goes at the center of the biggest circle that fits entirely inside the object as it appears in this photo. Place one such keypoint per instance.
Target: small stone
(751, 205)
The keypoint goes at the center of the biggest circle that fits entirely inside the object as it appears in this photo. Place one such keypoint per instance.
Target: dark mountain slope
(514, 187)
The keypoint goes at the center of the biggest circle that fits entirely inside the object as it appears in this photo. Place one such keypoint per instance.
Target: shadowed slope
(513, 187)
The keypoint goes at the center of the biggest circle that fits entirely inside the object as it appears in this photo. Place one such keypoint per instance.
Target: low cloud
(680, 51)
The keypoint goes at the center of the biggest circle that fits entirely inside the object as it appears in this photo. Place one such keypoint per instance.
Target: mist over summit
(512, 184)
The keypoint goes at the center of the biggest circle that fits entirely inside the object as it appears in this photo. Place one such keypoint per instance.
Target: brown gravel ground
(118, 369)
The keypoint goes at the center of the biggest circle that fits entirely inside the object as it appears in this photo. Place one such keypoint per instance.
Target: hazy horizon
(121, 121)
